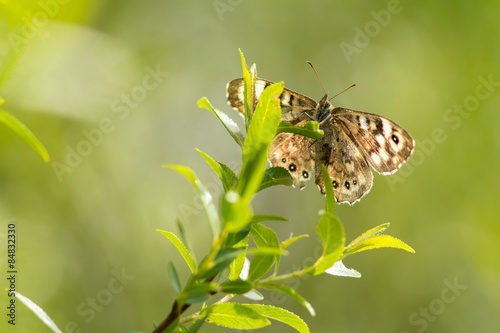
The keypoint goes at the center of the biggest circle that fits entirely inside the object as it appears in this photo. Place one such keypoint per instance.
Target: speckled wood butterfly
(353, 141)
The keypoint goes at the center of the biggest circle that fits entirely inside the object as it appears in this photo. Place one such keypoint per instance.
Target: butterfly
(352, 142)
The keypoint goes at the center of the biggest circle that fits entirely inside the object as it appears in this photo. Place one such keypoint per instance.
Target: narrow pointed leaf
(221, 261)
(264, 237)
(236, 212)
(282, 315)
(24, 133)
(310, 129)
(249, 100)
(236, 287)
(367, 234)
(234, 315)
(330, 230)
(236, 266)
(275, 176)
(262, 218)
(184, 239)
(294, 295)
(174, 277)
(225, 174)
(286, 243)
(378, 242)
(229, 124)
(39, 312)
(260, 134)
(200, 293)
(206, 197)
(188, 258)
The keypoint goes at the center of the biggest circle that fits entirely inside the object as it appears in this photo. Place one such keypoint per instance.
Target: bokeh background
(125, 76)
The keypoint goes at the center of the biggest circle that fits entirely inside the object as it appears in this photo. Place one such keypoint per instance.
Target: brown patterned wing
(296, 154)
(385, 144)
(348, 169)
(293, 152)
(293, 104)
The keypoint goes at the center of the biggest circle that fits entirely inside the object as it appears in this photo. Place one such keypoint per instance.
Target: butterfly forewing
(293, 105)
(385, 144)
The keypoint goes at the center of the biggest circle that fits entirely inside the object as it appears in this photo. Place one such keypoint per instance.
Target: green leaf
(206, 197)
(197, 325)
(234, 315)
(261, 218)
(236, 212)
(249, 99)
(184, 239)
(265, 250)
(378, 242)
(236, 287)
(310, 129)
(372, 239)
(221, 261)
(293, 294)
(24, 133)
(330, 230)
(188, 258)
(260, 134)
(264, 237)
(282, 315)
(225, 174)
(260, 265)
(201, 292)
(229, 124)
(39, 312)
(286, 243)
(367, 234)
(236, 266)
(275, 176)
(174, 277)
(234, 238)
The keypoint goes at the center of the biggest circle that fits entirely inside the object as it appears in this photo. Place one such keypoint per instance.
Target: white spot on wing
(386, 128)
(363, 123)
(375, 159)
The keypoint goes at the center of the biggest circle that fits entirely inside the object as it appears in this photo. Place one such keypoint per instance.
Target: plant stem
(175, 313)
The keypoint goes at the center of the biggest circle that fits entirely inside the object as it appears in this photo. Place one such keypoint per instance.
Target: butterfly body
(352, 142)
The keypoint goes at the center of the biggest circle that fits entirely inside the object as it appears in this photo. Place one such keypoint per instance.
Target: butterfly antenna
(343, 91)
(322, 86)
(317, 75)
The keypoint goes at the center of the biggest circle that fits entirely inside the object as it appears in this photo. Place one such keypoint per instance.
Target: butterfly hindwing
(295, 153)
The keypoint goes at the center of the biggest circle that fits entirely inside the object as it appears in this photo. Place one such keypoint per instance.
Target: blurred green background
(110, 88)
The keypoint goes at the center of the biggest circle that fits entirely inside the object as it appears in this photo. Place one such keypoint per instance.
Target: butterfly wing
(385, 144)
(348, 169)
(291, 151)
(293, 105)
(296, 154)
